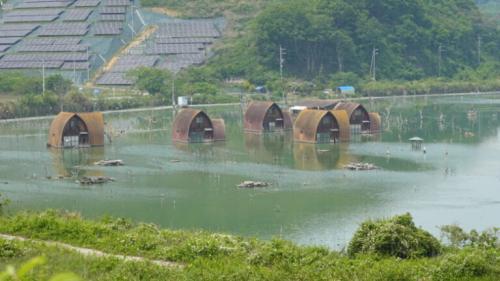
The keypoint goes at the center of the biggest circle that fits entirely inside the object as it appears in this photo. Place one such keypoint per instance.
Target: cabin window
(199, 120)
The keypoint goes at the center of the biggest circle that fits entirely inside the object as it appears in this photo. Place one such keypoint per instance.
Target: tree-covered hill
(412, 39)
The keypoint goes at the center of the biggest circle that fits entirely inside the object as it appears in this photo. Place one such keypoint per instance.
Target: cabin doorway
(75, 133)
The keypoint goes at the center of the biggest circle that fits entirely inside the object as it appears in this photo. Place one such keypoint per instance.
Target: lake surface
(312, 200)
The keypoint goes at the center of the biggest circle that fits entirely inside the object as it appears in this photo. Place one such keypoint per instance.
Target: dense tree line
(413, 39)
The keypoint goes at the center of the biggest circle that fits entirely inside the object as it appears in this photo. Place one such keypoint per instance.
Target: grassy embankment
(399, 251)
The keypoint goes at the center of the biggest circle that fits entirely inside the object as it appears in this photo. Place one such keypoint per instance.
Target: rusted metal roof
(319, 104)
(375, 122)
(255, 114)
(183, 120)
(349, 107)
(93, 120)
(219, 129)
(344, 125)
(307, 123)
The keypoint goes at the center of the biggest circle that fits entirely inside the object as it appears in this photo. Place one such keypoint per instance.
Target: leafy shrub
(397, 237)
(9, 249)
(467, 264)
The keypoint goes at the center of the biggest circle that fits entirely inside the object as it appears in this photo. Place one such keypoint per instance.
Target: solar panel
(6, 27)
(75, 25)
(4, 48)
(187, 40)
(87, 3)
(113, 10)
(47, 57)
(77, 15)
(114, 78)
(63, 32)
(15, 19)
(173, 66)
(34, 1)
(14, 33)
(34, 5)
(75, 65)
(168, 49)
(52, 48)
(191, 58)
(116, 2)
(187, 29)
(44, 12)
(108, 28)
(29, 64)
(64, 29)
(52, 41)
(113, 17)
(129, 62)
(9, 40)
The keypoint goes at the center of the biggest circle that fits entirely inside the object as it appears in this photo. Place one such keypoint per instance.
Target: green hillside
(414, 39)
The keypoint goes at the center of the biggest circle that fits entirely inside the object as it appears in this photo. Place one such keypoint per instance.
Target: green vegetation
(397, 237)
(208, 256)
(417, 42)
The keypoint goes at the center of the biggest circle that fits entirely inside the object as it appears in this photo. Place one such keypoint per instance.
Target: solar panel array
(113, 10)
(64, 29)
(4, 48)
(188, 29)
(117, 75)
(108, 28)
(46, 57)
(75, 65)
(173, 49)
(52, 41)
(36, 5)
(77, 14)
(9, 40)
(17, 30)
(186, 40)
(29, 64)
(174, 46)
(111, 17)
(116, 3)
(52, 48)
(86, 3)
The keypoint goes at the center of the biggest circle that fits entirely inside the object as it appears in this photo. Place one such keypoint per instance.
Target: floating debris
(253, 184)
(95, 180)
(109, 163)
(175, 161)
(360, 167)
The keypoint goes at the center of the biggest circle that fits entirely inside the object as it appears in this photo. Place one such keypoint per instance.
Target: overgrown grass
(209, 256)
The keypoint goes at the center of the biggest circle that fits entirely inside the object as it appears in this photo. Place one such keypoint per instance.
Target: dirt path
(92, 252)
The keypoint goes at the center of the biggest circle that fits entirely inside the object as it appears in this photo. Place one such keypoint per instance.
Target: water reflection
(74, 162)
(271, 148)
(311, 157)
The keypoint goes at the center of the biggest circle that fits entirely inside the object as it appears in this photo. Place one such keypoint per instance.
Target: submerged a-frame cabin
(195, 126)
(70, 129)
(262, 117)
(321, 126)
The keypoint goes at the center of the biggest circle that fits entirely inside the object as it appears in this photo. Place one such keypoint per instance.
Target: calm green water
(312, 200)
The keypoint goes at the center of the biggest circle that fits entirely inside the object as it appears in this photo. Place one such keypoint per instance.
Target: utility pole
(88, 66)
(479, 50)
(43, 75)
(440, 52)
(282, 62)
(373, 65)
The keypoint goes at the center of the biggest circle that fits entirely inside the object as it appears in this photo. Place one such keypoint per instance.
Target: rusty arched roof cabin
(263, 117)
(69, 129)
(195, 126)
(358, 115)
(321, 126)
